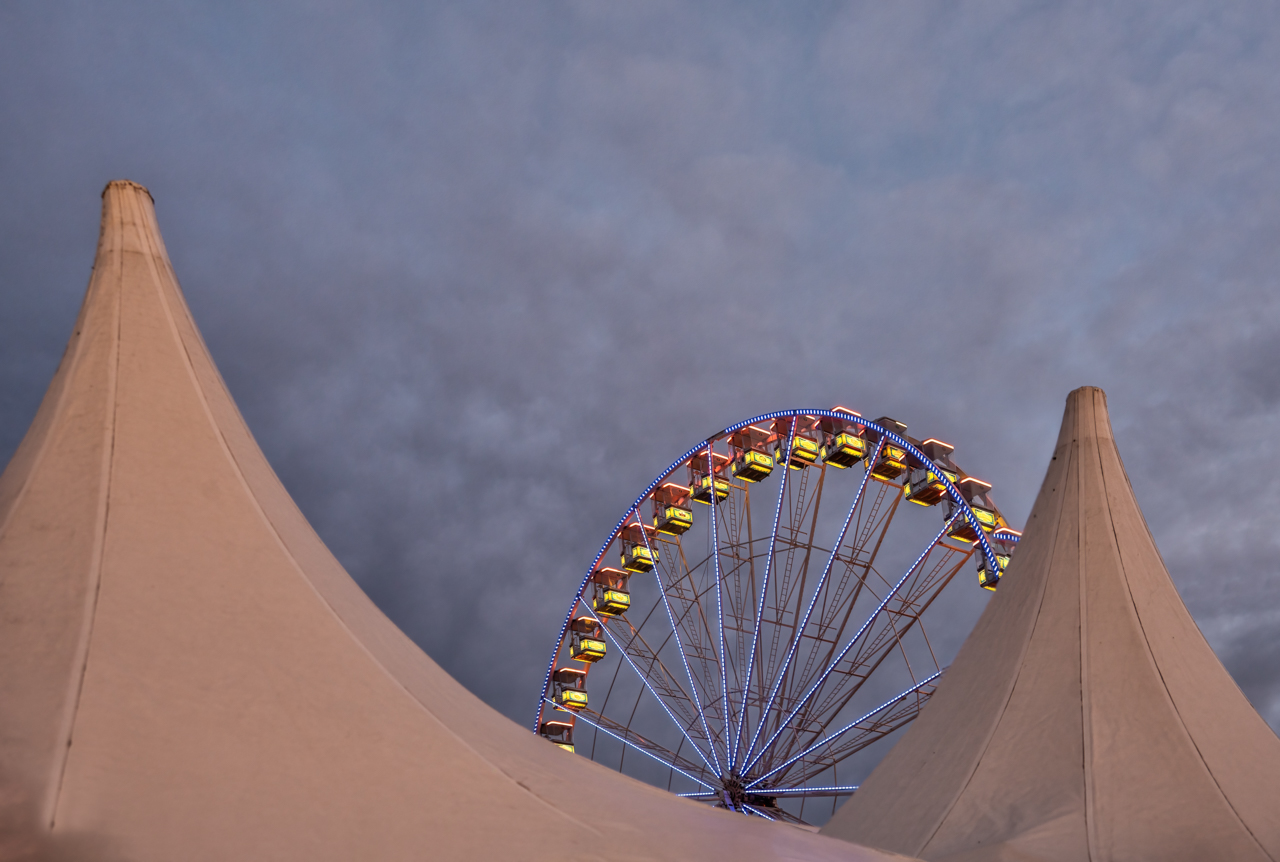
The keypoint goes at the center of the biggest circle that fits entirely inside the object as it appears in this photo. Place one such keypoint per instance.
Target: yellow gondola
(586, 649)
(926, 487)
(844, 450)
(570, 688)
(986, 579)
(610, 602)
(891, 464)
(752, 465)
(803, 452)
(637, 558)
(673, 520)
(701, 489)
(571, 698)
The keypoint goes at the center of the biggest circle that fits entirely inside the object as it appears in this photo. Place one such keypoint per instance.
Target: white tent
(186, 672)
(1085, 717)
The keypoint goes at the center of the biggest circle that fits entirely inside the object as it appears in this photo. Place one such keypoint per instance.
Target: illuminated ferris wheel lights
(570, 688)
(674, 520)
(804, 452)
(588, 643)
(752, 465)
(701, 489)
(751, 657)
(844, 450)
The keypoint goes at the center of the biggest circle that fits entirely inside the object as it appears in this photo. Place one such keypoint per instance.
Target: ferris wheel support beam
(831, 667)
(919, 596)
(795, 641)
(827, 740)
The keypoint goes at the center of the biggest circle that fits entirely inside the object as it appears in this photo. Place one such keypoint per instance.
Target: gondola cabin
(844, 449)
(611, 601)
(637, 547)
(752, 465)
(587, 643)
(986, 578)
(672, 520)
(586, 648)
(559, 733)
(704, 486)
(960, 529)
(803, 452)
(637, 558)
(570, 688)
(891, 463)
(1003, 540)
(986, 517)
(925, 487)
(671, 512)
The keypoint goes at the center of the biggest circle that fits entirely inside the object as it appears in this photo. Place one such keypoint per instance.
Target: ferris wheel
(758, 615)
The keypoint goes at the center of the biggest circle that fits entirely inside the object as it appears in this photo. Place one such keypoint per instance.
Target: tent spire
(1085, 718)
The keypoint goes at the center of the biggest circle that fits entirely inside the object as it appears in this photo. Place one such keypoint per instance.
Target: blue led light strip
(840, 788)
(764, 587)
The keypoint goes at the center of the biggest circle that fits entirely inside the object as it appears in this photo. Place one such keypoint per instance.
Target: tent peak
(1085, 416)
(129, 226)
(123, 185)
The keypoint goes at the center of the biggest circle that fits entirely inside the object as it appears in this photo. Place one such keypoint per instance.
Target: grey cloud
(477, 272)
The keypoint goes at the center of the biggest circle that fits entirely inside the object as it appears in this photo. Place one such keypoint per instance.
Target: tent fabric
(1086, 717)
(186, 672)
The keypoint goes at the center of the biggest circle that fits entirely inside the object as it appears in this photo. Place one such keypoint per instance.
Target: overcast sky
(475, 272)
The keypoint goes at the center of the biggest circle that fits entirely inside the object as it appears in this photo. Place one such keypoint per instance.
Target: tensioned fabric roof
(1085, 717)
(186, 672)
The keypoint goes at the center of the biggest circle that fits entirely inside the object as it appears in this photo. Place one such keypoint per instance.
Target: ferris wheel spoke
(832, 790)
(662, 681)
(764, 590)
(630, 738)
(852, 642)
(864, 722)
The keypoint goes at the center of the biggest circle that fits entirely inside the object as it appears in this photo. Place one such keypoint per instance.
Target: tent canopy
(1085, 717)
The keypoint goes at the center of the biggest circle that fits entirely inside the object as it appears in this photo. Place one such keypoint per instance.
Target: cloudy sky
(477, 271)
